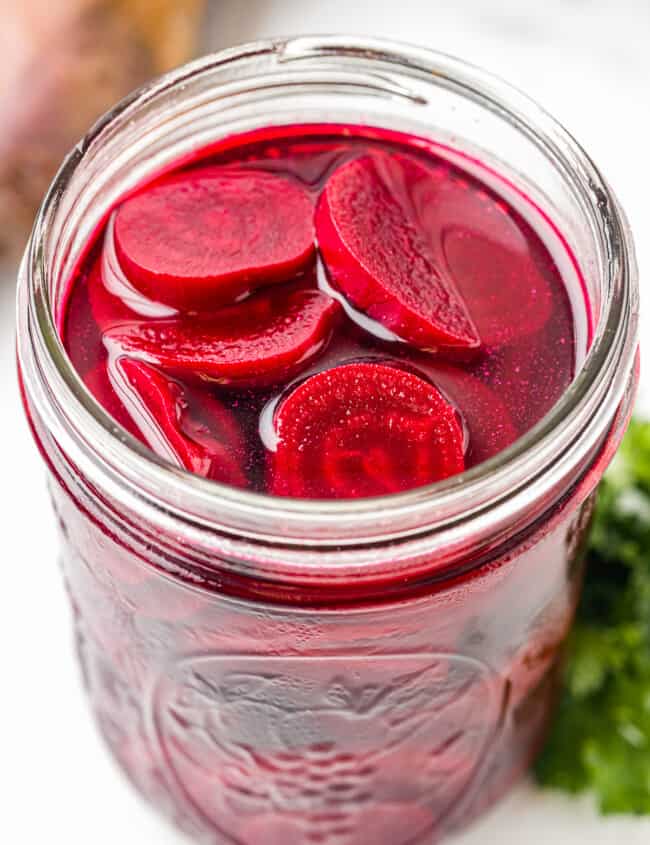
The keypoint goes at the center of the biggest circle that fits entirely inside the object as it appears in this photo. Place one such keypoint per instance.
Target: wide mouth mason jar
(279, 670)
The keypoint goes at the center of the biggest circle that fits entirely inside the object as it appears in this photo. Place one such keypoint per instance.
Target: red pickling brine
(276, 278)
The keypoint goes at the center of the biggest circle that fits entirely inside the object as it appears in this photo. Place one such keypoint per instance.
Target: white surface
(585, 60)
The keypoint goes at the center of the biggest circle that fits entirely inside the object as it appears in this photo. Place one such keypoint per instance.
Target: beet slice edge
(268, 338)
(197, 433)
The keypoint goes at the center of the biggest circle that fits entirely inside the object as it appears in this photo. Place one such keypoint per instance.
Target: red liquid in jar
(325, 315)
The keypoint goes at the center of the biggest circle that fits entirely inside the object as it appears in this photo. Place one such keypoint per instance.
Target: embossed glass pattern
(389, 723)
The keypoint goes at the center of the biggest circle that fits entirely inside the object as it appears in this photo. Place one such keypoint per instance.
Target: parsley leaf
(600, 740)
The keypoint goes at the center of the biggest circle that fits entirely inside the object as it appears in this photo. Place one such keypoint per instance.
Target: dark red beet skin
(431, 329)
(363, 429)
(205, 238)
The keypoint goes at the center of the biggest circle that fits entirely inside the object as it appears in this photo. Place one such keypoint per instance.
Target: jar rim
(535, 464)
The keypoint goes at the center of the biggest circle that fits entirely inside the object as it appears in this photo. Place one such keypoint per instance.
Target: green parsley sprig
(600, 740)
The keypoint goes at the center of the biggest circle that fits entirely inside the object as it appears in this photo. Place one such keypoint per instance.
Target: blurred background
(64, 62)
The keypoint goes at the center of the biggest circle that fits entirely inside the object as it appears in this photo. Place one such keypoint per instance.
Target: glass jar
(279, 671)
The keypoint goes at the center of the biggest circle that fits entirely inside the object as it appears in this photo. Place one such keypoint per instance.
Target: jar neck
(349, 80)
(317, 576)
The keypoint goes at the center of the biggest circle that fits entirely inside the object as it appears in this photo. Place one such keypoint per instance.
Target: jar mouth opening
(129, 472)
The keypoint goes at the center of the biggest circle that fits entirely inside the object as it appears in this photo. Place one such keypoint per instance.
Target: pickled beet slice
(489, 425)
(496, 260)
(195, 432)
(206, 237)
(363, 429)
(268, 338)
(379, 256)
(398, 237)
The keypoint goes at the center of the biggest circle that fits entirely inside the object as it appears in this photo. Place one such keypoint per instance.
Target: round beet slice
(363, 429)
(193, 431)
(206, 237)
(268, 338)
(379, 256)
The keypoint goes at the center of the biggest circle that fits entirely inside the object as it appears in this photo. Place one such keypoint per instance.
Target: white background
(588, 62)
